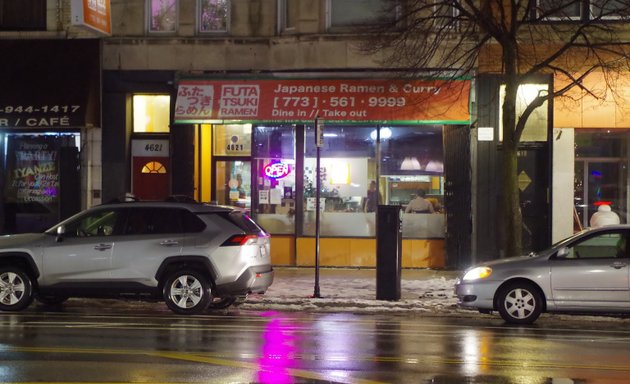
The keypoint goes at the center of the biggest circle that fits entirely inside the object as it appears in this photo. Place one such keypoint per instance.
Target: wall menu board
(293, 100)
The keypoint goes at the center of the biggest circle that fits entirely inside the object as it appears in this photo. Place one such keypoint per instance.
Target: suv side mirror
(61, 230)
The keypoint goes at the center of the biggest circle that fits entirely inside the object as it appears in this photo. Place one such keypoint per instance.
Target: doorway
(233, 182)
(533, 180)
(150, 178)
(150, 168)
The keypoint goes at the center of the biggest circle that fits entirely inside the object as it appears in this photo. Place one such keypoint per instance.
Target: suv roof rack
(181, 199)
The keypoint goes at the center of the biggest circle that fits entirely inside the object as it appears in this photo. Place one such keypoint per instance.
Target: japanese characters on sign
(304, 100)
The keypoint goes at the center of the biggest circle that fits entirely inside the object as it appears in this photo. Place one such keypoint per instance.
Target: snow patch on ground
(428, 293)
(355, 295)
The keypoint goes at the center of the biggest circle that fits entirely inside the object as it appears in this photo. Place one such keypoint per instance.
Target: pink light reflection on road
(278, 351)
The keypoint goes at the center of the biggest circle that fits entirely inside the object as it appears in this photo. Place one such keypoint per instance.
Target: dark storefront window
(601, 172)
(560, 9)
(353, 13)
(274, 155)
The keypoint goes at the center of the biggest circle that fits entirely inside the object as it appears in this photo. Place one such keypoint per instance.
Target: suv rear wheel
(187, 292)
(16, 289)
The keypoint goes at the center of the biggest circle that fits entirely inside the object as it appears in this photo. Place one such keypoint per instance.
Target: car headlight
(477, 273)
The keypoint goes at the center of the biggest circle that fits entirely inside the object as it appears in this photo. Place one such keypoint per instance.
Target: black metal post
(318, 139)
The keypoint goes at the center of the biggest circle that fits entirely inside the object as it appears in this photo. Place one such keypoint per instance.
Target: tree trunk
(511, 221)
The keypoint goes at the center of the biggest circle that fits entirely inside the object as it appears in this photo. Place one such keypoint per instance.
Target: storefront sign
(36, 116)
(331, 100)
(93, 14)
(277, 170)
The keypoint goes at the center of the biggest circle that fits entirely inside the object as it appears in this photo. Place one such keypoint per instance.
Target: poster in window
(32, 173)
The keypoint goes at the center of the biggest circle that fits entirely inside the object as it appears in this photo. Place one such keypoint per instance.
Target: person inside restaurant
(419, 204)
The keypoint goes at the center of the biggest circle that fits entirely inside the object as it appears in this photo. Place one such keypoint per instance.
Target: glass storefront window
(232, 140)
(601, 172)
(151, 113)
(346, 165)
(350, 184)
(274, 154)
(412, 176)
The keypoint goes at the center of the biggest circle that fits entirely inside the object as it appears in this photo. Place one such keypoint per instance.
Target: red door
(150, 178)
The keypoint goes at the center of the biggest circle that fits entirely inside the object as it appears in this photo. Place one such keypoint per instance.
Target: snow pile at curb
(359, 295)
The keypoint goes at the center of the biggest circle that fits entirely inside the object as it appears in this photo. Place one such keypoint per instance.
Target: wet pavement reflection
(110, 342)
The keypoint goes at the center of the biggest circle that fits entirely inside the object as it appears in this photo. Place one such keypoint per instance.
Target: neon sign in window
(277, 170)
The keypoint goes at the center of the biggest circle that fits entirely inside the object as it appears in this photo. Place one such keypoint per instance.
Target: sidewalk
(354, 290)
(424, 292)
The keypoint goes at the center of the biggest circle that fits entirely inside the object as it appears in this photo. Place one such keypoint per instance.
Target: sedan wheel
(187, 292)
(16, 289)
(520, 303)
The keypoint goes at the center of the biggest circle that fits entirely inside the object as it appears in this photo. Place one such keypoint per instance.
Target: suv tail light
(241, 240)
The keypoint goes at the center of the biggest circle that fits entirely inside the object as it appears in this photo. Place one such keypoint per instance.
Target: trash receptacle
(388, 252)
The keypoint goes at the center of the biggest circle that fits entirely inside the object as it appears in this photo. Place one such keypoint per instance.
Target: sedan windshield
(568, 239)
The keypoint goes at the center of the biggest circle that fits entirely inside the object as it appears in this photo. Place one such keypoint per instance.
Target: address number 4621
(153, 147)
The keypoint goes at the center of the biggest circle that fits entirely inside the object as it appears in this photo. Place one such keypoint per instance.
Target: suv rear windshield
(242, 221)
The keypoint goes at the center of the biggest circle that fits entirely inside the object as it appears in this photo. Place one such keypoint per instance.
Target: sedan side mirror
(61, 230)
(563, 252)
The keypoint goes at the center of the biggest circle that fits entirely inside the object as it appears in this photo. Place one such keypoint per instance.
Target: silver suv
(191, 255)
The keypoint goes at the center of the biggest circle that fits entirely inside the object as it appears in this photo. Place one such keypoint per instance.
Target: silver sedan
(587, 272)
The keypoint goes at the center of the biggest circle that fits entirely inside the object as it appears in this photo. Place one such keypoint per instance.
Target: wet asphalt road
(100, 341)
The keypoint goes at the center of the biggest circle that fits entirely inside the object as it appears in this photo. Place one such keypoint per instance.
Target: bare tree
(566, 40)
